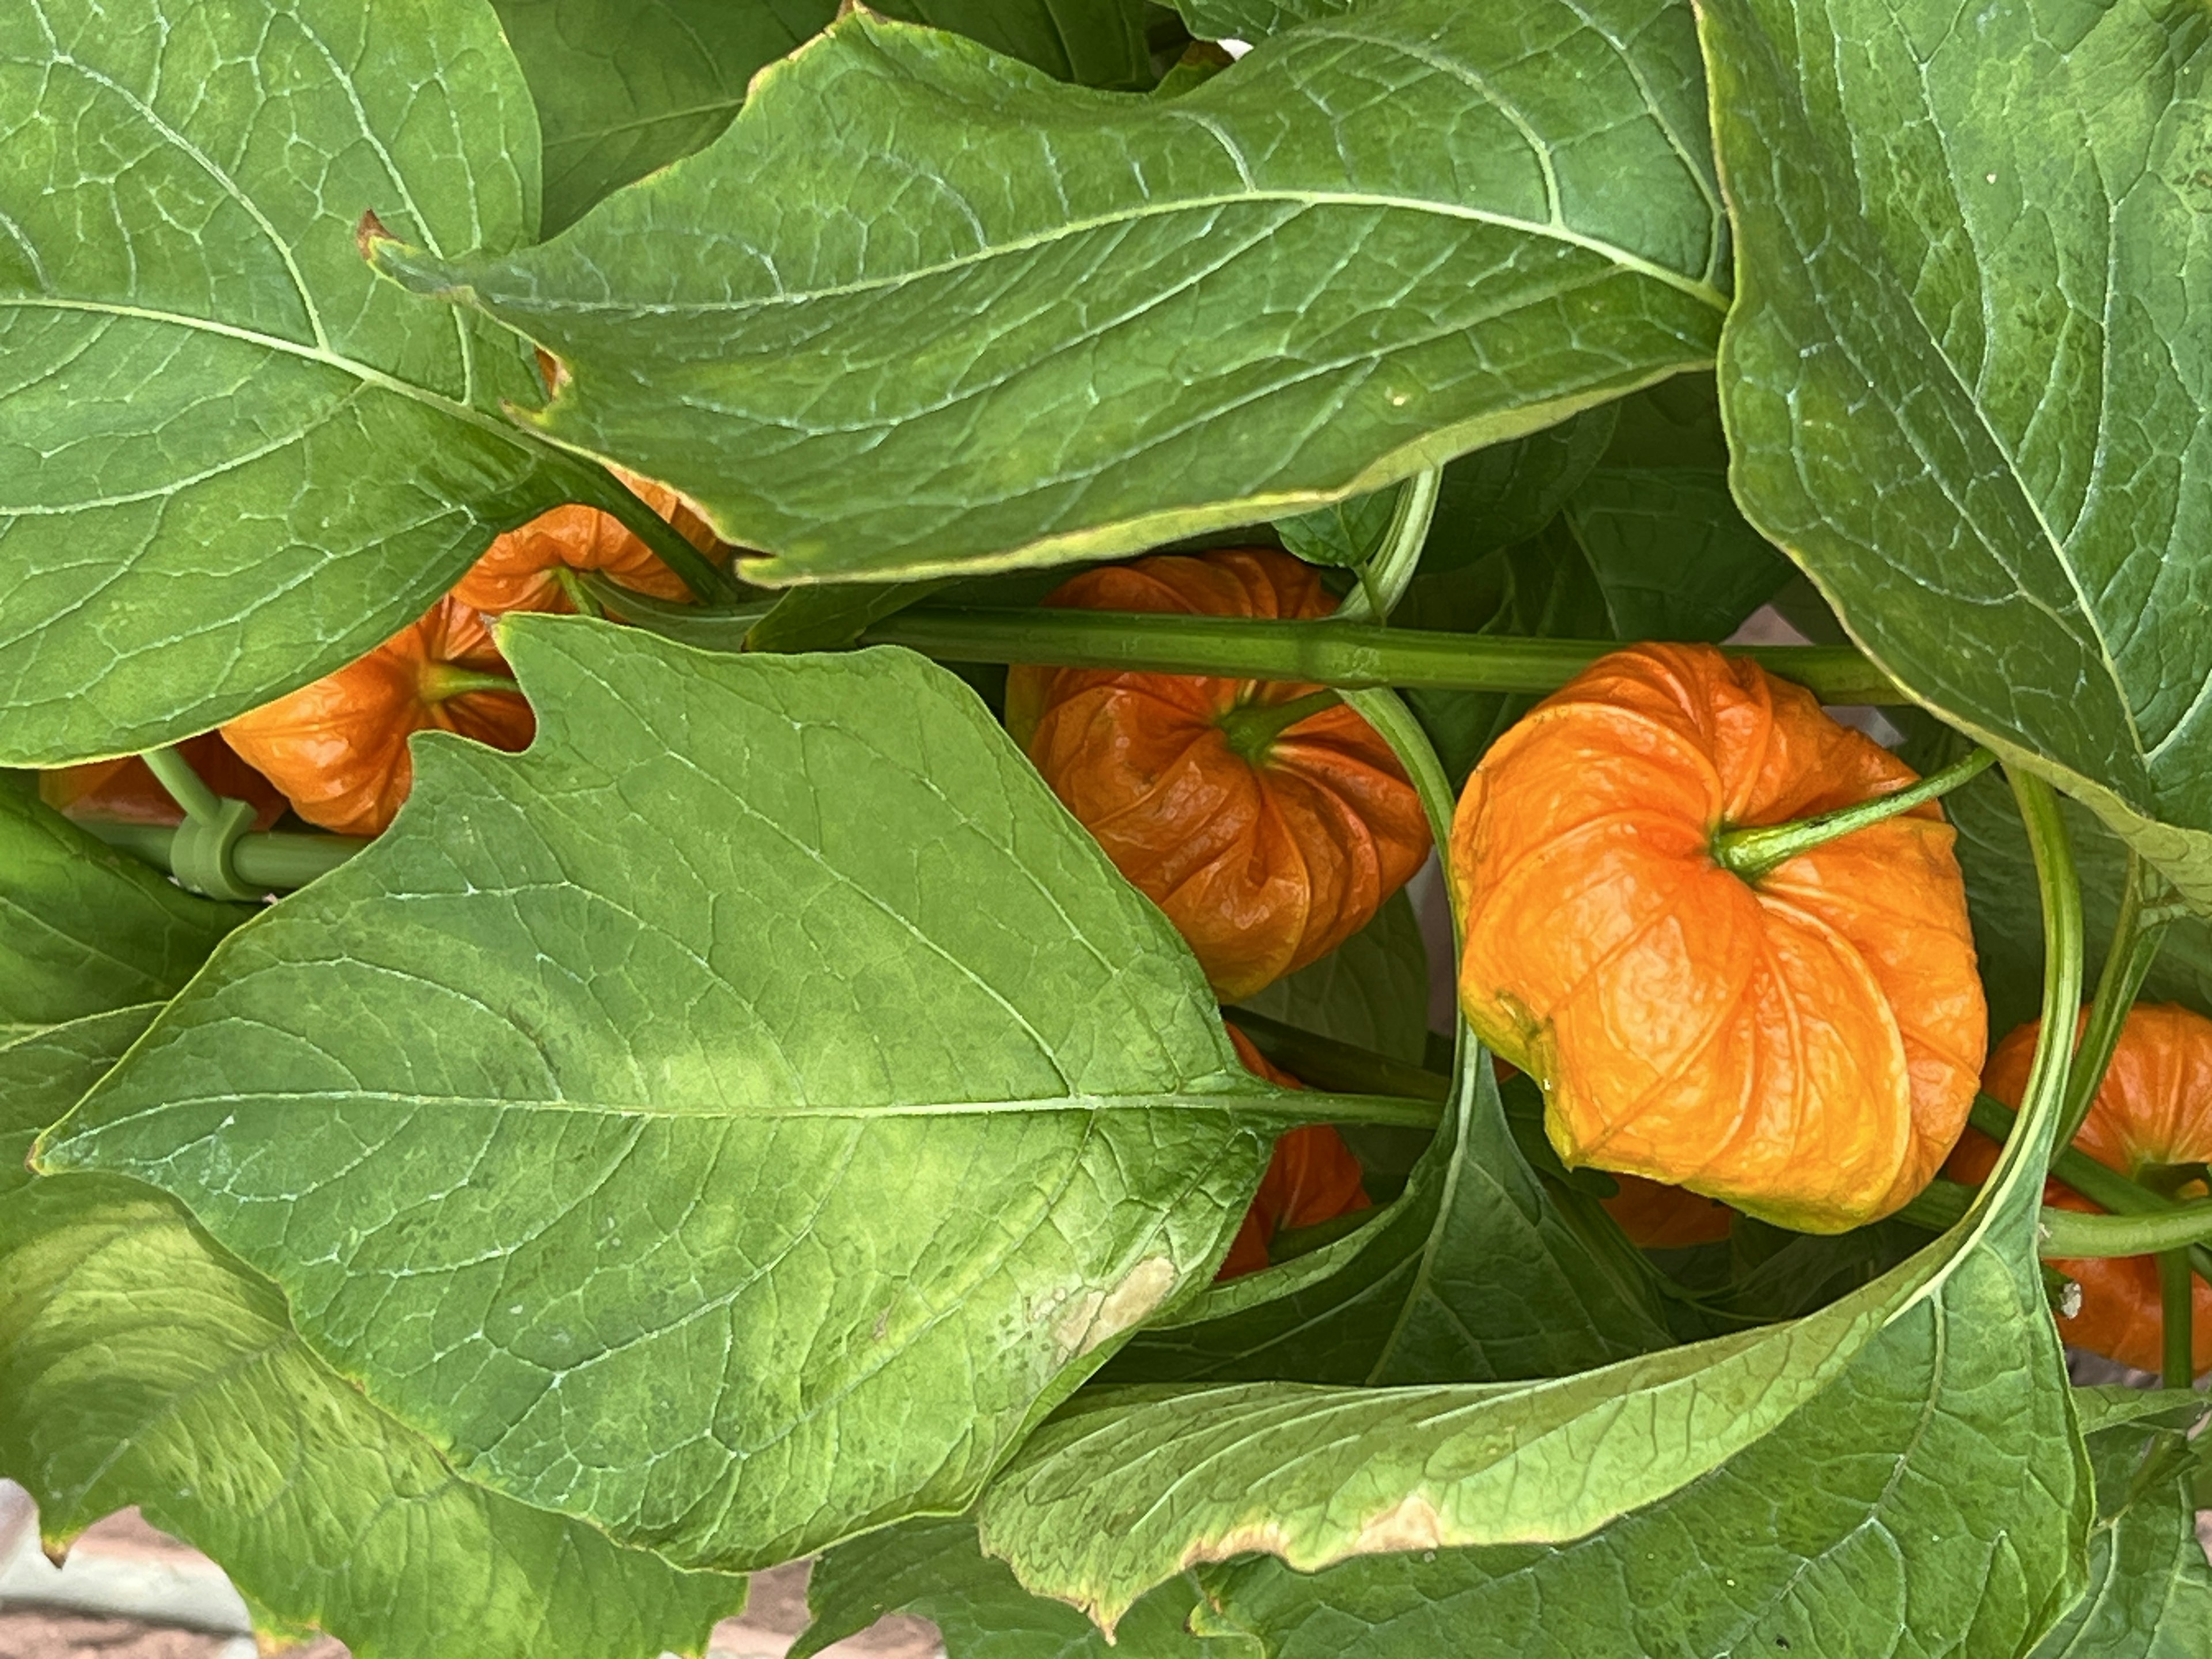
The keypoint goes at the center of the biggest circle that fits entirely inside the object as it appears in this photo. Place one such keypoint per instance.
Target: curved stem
(1252, 729)
(186, 786)
(1384, 577)
(2027, 1154)
(580, 599)
(442, 680)
(1751, 853)
(2068, 1233)
(2138, 932)
(2177, 1300)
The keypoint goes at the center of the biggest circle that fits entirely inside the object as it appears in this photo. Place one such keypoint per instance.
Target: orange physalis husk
(1262, 868)
(1662, 1217)
(1803, 1046)
(2154, 1106)
(517, 571)
(338, 748)
(1312, 1177)
(126, 791)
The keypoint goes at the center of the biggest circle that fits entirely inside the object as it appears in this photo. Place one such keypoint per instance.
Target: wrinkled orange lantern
(126, 791)
(338, 748)
(1802, 1045)
(2154, 1107)
(525, 570)
(1312, 1177)
(1267, 843)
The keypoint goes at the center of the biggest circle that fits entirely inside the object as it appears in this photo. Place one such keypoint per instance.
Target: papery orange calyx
(1803, 1046)
(1264, 859)
(338, 748)
(523, 570)
(1312, 1177)
(2154, 1107)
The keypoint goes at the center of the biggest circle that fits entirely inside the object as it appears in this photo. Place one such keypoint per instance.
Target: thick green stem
(186, 786)
(2136, 935)
(2068, 1233)
(2027, 1154)
(275, 863)
(580, 597)
(1751, 853)
(444, 680)
(1251, 730)
(2176, 1306)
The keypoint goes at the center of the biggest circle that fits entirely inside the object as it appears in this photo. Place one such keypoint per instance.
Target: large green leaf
(141, 1364)
(44, 1074)
(2150, 1587)
(624, 86)
(936, 1568)
(919, 311)
(1966, 376)
(1372, 991)
(1255, 19)
(1507, 493)
(731, 1119)
(1477, 1270)
(84, 928)
(230, 459)
(1903, 1465)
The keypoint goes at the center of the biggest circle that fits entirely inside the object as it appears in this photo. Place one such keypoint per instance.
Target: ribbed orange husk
(1312, 1177)
(338, 748)
(2154, 1106)
(1662, 1217)
(516, 571)
(126, 791)
(1262, 868)
(1804, 1046)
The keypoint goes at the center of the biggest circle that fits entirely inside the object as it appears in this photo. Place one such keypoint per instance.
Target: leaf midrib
(1695, 287)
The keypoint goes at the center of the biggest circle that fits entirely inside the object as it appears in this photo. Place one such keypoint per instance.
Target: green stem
(594, 486)
(2026, 1155)
(276, 862)
(1751, 853)
(2108, 1189)
(2068, 1233)
(2177, 1299)
(1384, 577)
(1251, 730)
(442, 680)
(2136, 935)
(186, 786)
(1386, 711)
(580, 597)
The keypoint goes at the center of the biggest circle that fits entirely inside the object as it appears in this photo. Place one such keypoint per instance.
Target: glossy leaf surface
(744, 959)
(83, 927)
(1069, 324)
(1965, 379)
(232, 460)
(141, 1364)
(1803, 1487)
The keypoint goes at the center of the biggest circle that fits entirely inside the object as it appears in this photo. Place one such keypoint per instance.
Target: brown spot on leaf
(1100, 1316)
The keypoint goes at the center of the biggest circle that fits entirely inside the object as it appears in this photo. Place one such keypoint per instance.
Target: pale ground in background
(776, 1613)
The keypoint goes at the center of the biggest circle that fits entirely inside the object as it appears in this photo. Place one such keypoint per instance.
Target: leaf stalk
(1751, 853)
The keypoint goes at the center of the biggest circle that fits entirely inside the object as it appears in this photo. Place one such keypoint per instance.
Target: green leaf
(1477, 1270)
(1372, 991)
(1255, 19)
(625, 87)
(44, 1074)
(1903, 1462)
(736, 1117)
(935, 1568)
(1504, 495)
(1348, 533)
(2150, 1586)
(140, 1364)
(976, 320)
(1967, 363)
(83, 927)
(230, 459)
(1994, 857)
